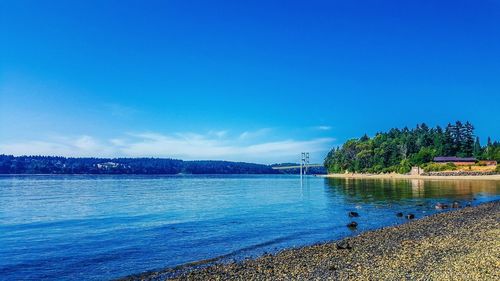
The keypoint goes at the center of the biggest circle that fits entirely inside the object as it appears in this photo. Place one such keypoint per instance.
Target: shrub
(404, 167)
(436, 167)
(390, 169)
(376, 169)
(451, 165)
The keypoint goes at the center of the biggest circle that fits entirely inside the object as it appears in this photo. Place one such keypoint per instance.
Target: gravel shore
(457, 245)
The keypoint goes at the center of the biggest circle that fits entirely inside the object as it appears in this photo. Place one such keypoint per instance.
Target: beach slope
(457, 245)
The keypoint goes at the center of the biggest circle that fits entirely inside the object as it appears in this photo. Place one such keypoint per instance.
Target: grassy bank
(458, 245)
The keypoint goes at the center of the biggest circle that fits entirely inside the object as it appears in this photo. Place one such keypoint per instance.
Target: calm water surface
(104, 227)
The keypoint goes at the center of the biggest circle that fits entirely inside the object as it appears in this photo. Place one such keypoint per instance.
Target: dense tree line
(61, 165)
(400, 149)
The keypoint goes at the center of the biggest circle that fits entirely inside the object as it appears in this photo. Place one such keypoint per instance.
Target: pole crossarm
(296, 167)
(304, 163)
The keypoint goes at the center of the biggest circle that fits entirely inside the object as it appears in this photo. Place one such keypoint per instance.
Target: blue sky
(253, 81)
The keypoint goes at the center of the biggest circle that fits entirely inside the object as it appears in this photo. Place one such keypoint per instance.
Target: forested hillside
(62, 165)
(400, 149)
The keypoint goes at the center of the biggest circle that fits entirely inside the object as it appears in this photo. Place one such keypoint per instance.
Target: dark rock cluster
(353, 214)
(352, 224)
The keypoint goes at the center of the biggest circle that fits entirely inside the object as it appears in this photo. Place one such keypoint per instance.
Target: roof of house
(454, 159)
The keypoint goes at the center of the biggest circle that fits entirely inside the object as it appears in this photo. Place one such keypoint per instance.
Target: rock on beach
(353, 214)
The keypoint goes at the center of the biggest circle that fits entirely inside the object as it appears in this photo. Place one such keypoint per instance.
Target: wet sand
(459, 245)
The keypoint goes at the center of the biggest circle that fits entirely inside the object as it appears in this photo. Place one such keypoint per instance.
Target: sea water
(89, 227)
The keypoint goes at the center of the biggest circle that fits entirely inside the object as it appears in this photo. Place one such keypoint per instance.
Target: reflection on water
(397, 190)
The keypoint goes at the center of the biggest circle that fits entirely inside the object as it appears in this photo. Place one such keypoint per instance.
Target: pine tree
(467, 141)
(478, 151)
(449, 143)
(457, 138)
(438, 141)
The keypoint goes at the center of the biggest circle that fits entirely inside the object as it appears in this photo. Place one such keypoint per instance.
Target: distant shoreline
(410, 177)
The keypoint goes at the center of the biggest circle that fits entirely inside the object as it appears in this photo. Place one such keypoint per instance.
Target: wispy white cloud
(322, 128)
(120, 110)
(246, 135)
(184, 145)
(219, 134)
(81, 146)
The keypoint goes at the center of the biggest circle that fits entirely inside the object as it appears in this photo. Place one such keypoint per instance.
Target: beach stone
(353, 214)
(441, 206)
(352, 224)
(400, 215)
(455, 205)
(343, 245)
(410, 216)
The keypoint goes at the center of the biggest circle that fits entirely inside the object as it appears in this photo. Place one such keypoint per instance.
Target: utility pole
(307, 163)
(304, 163)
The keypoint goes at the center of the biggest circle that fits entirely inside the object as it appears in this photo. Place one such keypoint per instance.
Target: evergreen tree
(456, 134)
(467, 145)
(438, 141)
(478, 151)
(449, 142)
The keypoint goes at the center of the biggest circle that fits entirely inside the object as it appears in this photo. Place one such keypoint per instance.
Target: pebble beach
(463, 244)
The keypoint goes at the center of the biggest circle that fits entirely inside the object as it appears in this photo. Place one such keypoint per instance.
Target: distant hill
(61, 165)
